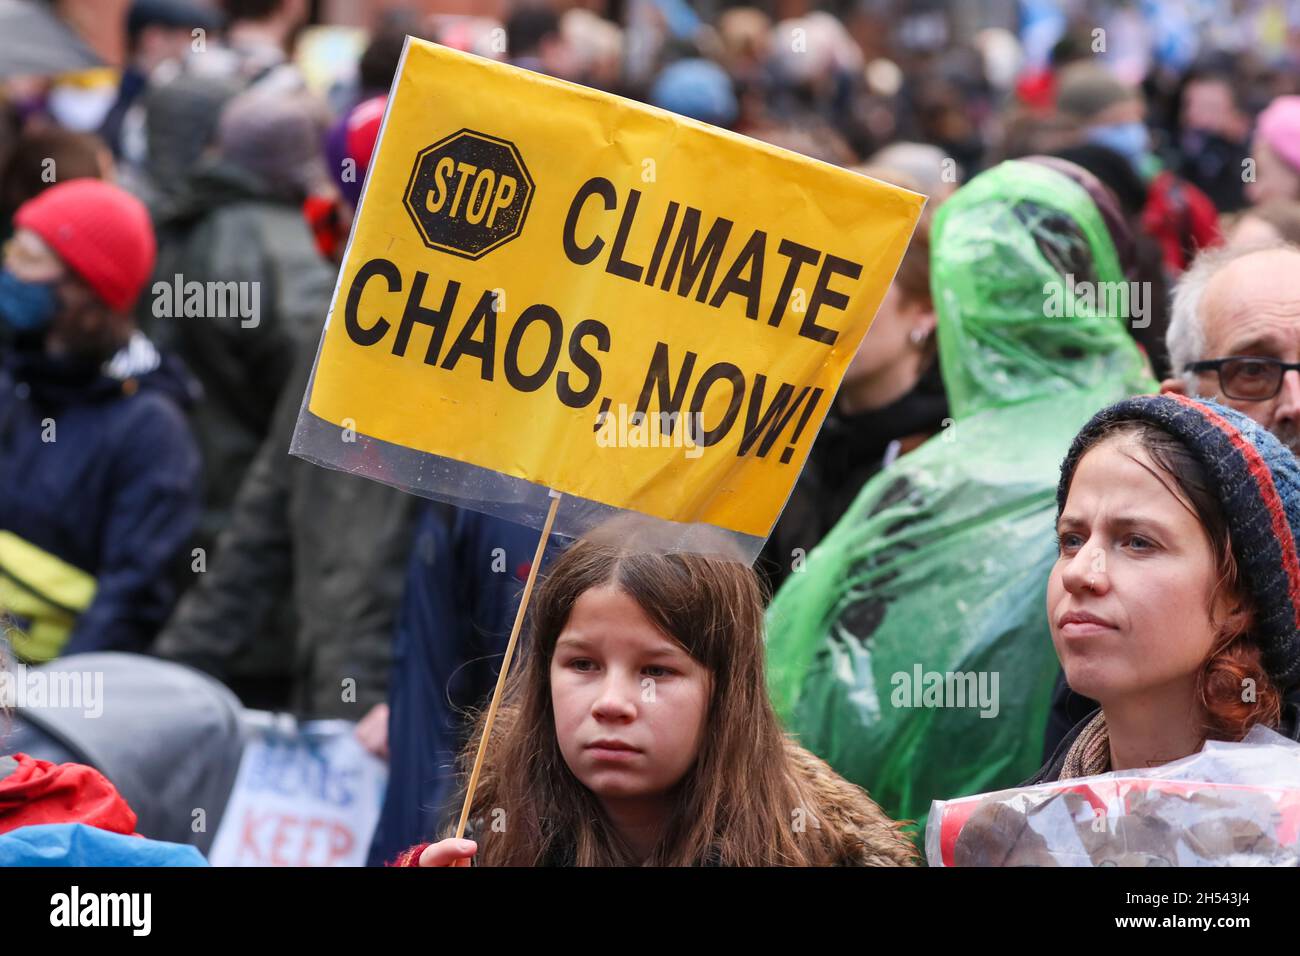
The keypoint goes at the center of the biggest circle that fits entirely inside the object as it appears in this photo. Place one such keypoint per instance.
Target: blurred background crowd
(149, 144)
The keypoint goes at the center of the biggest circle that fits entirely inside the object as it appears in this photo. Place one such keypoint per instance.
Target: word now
(763, 424)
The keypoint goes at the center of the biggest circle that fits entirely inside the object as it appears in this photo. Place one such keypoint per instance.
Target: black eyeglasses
(1246, 378)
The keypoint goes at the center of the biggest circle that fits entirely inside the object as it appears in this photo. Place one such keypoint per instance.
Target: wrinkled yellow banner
(535, 262)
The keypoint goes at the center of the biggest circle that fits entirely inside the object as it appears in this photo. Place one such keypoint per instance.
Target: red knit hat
(101, 232)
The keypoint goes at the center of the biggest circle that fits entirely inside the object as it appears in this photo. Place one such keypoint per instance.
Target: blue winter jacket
(99, 494)
(75, 844)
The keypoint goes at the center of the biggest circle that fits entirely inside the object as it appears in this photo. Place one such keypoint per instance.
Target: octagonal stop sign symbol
(468, 193)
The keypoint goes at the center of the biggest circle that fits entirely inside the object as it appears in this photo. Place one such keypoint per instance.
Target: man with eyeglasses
(1234, 334)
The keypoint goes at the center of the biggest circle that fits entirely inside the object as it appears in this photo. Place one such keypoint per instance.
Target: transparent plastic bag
(1230, 804)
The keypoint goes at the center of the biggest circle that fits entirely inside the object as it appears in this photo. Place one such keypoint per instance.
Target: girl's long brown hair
(751, 798)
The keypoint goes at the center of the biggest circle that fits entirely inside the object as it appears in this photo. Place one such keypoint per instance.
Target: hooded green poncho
(941, 564)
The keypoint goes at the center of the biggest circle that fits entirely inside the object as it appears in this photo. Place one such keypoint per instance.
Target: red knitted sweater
(410, 857)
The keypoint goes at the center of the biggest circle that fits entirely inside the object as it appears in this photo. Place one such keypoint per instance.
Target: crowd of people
(1064, 455)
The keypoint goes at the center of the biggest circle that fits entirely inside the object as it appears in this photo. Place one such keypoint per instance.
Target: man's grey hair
(921, 161)
(1185, 338)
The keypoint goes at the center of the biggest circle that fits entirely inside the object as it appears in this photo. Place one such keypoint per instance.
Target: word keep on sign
(305, 795)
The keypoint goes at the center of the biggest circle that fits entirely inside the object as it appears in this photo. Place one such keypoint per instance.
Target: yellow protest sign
(600, 297)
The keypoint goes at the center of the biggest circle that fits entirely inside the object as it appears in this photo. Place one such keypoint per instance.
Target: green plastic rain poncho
(941, 564)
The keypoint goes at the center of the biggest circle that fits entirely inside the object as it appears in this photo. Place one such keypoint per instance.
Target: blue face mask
(1130, 140)
(26, 306)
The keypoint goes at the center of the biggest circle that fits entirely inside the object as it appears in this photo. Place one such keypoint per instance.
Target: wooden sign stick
(505, 663)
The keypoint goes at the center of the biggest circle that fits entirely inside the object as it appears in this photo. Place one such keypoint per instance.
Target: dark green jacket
(326, 547)
(226, 228)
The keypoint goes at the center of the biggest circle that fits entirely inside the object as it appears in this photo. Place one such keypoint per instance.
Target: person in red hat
(98, 469)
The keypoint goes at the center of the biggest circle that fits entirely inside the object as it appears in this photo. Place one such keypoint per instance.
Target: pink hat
(363, 129)
(1279, 127)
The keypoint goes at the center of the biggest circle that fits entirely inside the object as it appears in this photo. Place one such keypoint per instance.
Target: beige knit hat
(1085, 89)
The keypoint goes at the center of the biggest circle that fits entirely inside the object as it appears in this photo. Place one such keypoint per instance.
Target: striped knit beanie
(1257, 482)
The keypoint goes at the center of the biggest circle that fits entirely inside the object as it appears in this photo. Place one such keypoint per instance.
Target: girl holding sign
(638, 730)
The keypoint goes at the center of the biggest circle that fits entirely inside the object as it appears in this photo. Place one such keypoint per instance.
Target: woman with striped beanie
(1175, 599)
